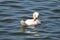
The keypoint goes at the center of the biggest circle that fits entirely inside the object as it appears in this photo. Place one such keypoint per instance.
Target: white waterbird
(32, 22)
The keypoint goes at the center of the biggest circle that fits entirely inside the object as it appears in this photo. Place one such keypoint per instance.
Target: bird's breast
(31, 22)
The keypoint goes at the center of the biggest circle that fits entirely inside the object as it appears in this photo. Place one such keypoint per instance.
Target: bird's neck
(35, 19)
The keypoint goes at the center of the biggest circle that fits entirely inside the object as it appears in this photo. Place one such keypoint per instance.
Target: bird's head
(35, 15)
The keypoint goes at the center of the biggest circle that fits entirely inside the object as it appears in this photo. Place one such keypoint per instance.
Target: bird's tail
(22, 22)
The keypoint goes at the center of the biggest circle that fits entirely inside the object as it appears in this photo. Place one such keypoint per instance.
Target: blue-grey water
(12, 11)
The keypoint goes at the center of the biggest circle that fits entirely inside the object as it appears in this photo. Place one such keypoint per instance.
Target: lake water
(13, 11)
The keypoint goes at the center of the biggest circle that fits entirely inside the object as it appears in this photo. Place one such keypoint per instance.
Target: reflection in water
(29, 30)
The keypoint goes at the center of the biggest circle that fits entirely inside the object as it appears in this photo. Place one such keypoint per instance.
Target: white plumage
(33, 21)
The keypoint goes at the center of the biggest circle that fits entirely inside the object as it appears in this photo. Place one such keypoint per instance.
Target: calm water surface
(12, 11)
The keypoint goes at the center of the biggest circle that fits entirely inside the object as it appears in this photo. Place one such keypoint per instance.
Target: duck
(32, 22)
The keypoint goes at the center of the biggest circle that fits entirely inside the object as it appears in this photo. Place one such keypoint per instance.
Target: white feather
(31, 21)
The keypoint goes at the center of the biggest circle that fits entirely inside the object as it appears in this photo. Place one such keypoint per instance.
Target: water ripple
(8, 20)
(56, 10)
(54, 17)
(6, 15)
(5, 2)
(12, 11)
